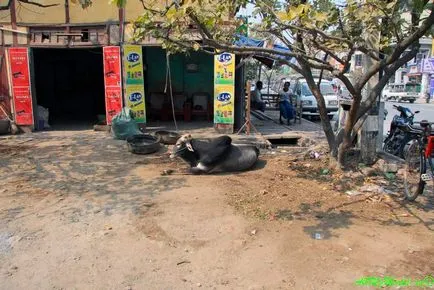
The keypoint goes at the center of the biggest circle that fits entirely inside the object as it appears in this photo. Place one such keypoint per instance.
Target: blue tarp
(284, 49)
(243, 41)
(248, 42)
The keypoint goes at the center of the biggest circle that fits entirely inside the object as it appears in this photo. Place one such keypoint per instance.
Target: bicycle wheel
(415, 165)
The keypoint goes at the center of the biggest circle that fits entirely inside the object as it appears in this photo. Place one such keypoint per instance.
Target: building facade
(83, 65)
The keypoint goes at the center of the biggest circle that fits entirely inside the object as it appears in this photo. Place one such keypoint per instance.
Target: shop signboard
(432, 47)
(113, 101)
(224, 104)
(112, 81)
(431, 87)
(224, 88)
(224, 69)
(20, 75)
(428, 66)
(135, 96)
(134, 81)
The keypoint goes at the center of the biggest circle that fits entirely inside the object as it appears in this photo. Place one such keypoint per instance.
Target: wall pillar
(425, 86)
(12, 9)
(240, 99)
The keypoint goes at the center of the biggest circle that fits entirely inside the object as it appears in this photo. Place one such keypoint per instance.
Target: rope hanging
(169, 82)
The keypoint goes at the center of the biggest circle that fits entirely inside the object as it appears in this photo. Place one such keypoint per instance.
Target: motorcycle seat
(419, 128)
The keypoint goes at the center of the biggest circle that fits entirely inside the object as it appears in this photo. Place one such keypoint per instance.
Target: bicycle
(419, 161)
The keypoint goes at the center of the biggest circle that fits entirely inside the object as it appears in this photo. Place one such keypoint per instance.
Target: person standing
(257, 102)
(285, 104)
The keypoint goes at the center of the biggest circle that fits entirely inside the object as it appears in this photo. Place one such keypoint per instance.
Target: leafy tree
(251, 69)
(386, 32)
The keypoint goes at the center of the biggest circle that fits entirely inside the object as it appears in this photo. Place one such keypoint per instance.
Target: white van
(310, 107)
(401, 92)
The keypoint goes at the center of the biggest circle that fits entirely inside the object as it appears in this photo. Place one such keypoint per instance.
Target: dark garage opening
(70, 83)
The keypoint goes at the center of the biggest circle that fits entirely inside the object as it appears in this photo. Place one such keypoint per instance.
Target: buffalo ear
(189, 147)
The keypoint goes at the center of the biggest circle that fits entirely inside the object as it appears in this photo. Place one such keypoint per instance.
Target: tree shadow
(94, 166)
(327, 222)
(424, 203)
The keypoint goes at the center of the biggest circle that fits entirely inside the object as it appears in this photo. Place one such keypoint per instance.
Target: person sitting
(285, 104)
(257, 102)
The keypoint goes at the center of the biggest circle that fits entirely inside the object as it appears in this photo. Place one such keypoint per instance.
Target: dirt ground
(78, 211)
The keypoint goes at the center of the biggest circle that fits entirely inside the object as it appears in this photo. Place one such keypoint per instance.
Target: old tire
(143, 144)
(167, 137)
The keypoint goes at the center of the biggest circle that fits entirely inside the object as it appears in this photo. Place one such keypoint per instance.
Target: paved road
(426, 112)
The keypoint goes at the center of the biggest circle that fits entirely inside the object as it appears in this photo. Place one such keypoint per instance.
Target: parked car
(310, 107)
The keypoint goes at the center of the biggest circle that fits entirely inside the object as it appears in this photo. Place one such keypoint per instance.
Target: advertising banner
(23, 105)
(224, 69)
(112, 66)
(428, 65)
(432, 47)
(22, 97)
(134, 81)
(224, 104)
(112, 81)
(113, 102)
(224, 88)
(136, 102)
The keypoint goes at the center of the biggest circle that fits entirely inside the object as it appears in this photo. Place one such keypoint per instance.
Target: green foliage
(322, 35)
(251, 70)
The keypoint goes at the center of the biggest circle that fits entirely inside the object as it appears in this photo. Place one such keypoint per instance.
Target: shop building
(82, 65)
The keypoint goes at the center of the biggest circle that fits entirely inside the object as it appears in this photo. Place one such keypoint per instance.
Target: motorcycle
(397, 139)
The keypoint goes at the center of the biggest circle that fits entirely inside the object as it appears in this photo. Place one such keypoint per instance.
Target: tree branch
(411, 40)
(388, 72)
(38, 4)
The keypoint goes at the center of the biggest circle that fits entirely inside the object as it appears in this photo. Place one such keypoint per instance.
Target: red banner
(112, 81)
(113, 103)
(19, 68)
(23, 106)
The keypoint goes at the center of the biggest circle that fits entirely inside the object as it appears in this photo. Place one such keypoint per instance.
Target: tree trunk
(325, 122)
(345, 141)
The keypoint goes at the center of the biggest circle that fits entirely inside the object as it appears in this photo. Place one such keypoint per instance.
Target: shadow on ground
(82, 164)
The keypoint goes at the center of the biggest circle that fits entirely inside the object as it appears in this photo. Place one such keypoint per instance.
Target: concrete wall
(100, 11)
(182, 80)
(31, 14)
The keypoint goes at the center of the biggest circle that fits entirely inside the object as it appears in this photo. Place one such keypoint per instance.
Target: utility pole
(369, 135)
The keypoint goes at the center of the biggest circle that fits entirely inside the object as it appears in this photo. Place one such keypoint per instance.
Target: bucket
(41, 124)
(5, 126)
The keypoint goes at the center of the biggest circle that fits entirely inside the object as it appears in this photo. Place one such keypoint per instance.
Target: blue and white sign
(225, 57)
(133, 57)
(135, 97)
(224, 97)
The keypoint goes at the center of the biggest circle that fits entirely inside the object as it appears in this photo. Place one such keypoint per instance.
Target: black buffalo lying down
(215, 154)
